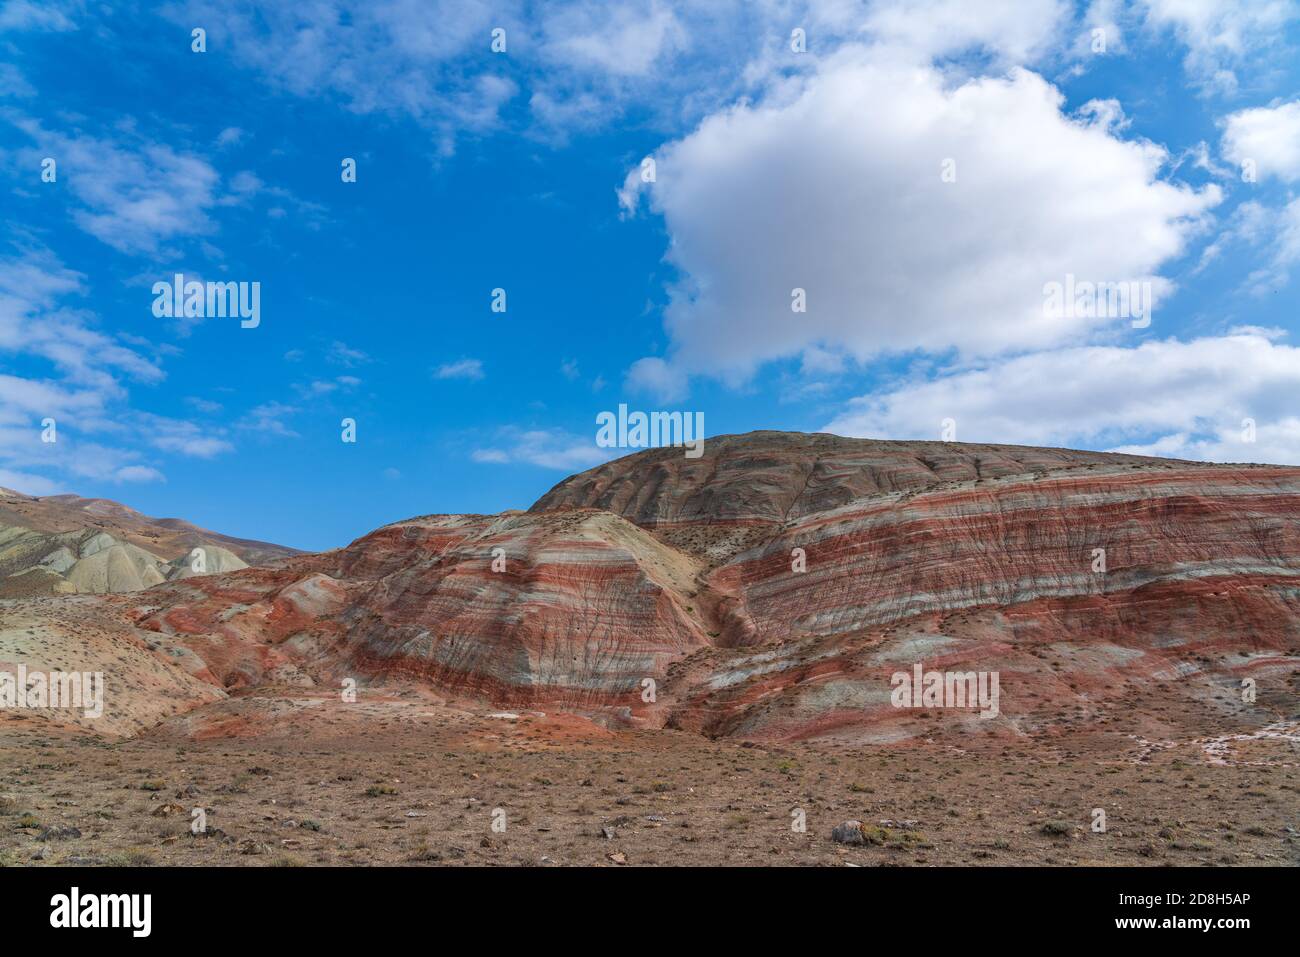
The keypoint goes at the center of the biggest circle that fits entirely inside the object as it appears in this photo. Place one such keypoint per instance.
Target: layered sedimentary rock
(571, 609)
(774, 587)
(87, 561)
(745, 486)
(1163, 661)
(62, 544)
(159, 536)
(1086, 579)
(1095, 532)
(247, 628)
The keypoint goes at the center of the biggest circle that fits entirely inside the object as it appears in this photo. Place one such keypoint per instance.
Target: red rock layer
(574, 609)
(765, 479)
(890, 557)
(246, 628)
(1161, 661)
(961, 557)
(1202, 574)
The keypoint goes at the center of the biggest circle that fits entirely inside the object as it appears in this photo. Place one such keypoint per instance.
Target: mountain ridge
(67, 544)
(769, 589)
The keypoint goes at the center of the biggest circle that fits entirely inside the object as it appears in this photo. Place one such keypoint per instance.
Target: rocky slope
(141, 683)
(746, 486)
(63, 544)
(1085, 579)
(571, 609)
(772, 588)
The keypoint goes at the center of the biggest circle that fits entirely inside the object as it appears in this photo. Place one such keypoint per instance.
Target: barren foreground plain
(675, 661)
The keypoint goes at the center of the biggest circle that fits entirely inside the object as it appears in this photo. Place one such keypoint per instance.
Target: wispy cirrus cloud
(132, 194)
(390, 56)
(180, 435)
(318, 388)
(41, 314)
(73, 420)
(269, 419)
(1222, 37)
(545, 448)
(342, 354)
(18, 15)
(471, 369)
(1272, 237)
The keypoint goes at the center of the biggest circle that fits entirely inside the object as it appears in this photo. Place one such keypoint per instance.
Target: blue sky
(521, 170)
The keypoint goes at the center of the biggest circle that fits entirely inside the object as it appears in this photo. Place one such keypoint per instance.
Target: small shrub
(132, 858)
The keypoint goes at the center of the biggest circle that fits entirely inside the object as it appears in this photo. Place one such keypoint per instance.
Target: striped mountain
(770, 588)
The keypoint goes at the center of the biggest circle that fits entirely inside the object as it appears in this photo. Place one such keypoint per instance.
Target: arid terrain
(66, 545)
(396, 781)
(691, 661)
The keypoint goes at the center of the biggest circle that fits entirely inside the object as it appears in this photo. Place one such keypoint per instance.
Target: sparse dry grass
(653, 797)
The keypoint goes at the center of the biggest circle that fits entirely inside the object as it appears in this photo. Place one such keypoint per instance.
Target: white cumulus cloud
(838, 190)
(1165, 397)
(1267, 135)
